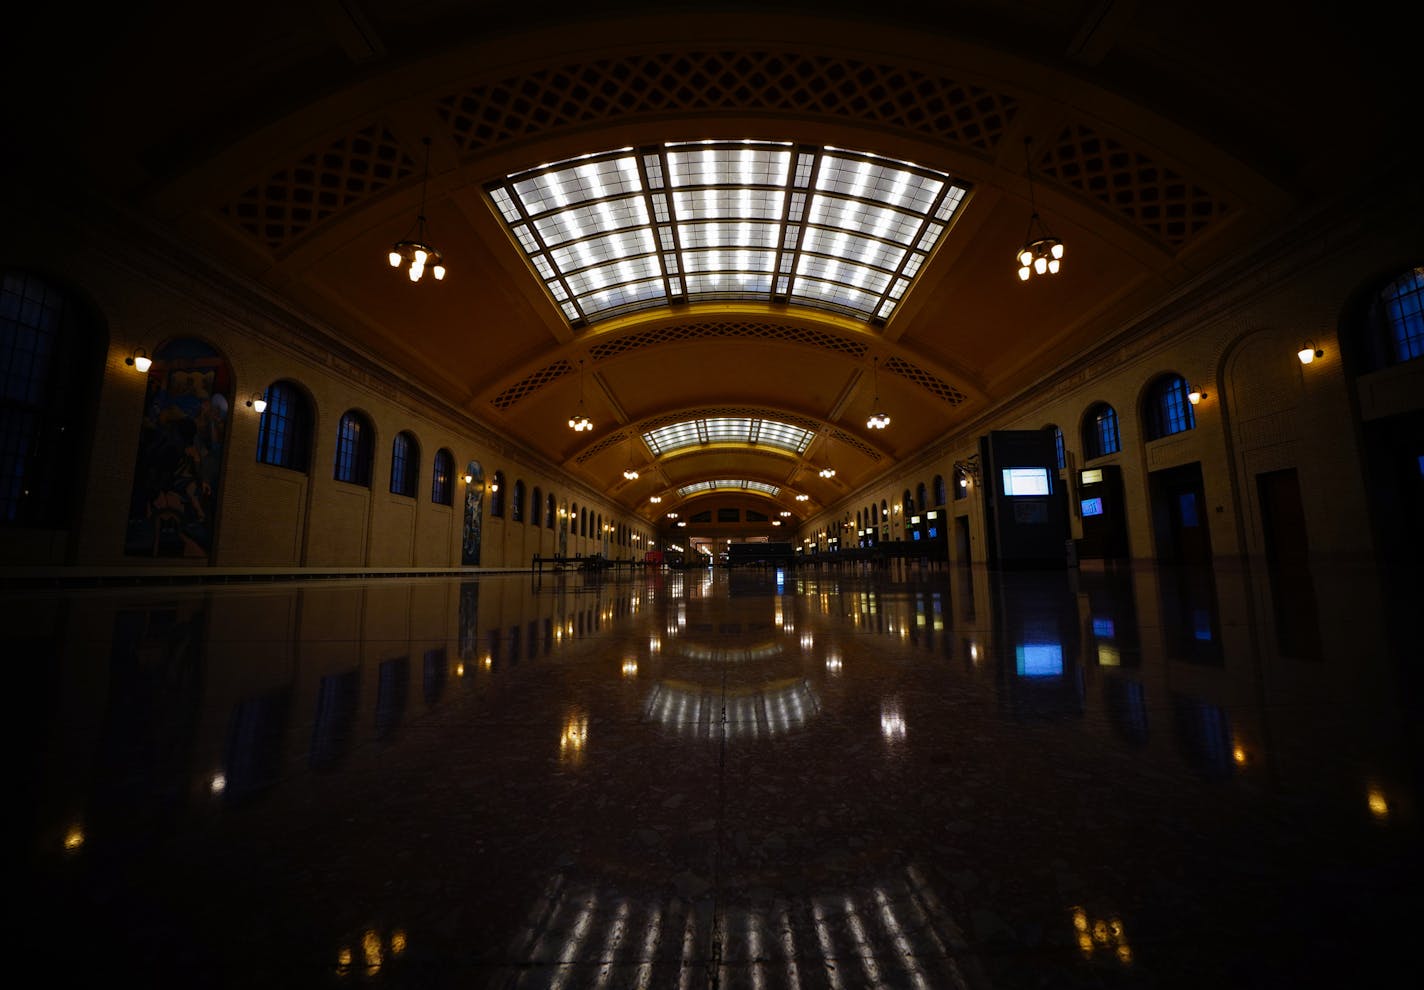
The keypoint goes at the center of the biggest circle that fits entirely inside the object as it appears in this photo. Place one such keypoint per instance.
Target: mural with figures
(178, 469)
(474, 503)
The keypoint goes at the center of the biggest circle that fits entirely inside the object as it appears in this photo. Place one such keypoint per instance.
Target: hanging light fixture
(1042, 252)
(879, 419)
(631, 471)
(828, 472)
(414, 250)
(579, 421)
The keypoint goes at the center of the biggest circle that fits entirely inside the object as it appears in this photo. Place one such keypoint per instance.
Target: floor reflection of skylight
(634, 229)
(728, 429)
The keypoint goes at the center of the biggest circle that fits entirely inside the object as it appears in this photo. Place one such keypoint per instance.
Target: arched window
(442, 480)
(939, 489)
(284, 433)
(518, 514)
(1100, 436)
(1058, 450)
(355, 442)
(1166, 409)
(497, 495)
(1401, 312)
(536, 506)
(583, 522)
(549, 512)
(598, 527)
(405, 464)
(920, 496)
(51, 353)
(907, 504)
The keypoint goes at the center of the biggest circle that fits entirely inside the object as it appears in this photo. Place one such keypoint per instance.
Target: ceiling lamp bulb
(395, 257)
(1056, 250)
(439, 272)
(1025, 258)
(1024, 273)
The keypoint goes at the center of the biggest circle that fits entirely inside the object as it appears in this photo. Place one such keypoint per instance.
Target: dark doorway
(1287, 547)
(961, 540)
(1179, 515)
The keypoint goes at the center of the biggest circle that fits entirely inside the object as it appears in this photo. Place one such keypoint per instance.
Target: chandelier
(414, 251)
(579, 421)
(631, 471)
(879, 419)
(828, 472)
(1042, 252)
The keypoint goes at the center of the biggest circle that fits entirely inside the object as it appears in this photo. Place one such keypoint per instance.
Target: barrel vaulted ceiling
(286, 143)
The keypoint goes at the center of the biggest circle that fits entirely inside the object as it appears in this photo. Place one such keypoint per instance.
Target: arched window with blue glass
(355, 444)
(517, 510)
(1165, 407)
(921, 494)
(442, 478)
(1401, 309)
(405, 464)
(939, 493)
(1100, 433)
(497, 495)
(284, 433)
(1058, 449)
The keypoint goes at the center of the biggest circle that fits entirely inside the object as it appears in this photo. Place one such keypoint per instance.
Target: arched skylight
(638, 228)
(735, 485)
(728, 429)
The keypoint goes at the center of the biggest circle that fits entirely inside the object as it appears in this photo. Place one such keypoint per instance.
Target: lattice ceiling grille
(914, 373)
(1153, 196)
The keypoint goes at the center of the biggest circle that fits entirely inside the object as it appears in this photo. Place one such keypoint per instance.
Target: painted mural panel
(178, 468)
(474, 503)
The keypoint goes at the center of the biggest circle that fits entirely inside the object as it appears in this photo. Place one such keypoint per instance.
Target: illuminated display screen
(1039, 659)
(1092, 506)
(1092, 477)
(1102, 627)
(1026, 481)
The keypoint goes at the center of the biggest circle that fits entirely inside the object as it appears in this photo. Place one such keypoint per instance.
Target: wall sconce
(469, 478)
(139, 360)
(1309, 352)
(494, 486)
(1195, 395)
(258, 402)
(968, 470)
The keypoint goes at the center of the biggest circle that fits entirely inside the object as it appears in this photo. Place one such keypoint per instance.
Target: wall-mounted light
(258, 402)
(139, 360)
(1309, 352)
(1195, 395)
(494, 486)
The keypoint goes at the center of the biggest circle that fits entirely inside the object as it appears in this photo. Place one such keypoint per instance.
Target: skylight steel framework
(728, 484)
(635, 229)
(728, 429)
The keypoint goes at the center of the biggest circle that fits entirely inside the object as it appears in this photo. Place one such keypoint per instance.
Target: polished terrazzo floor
(929, 778)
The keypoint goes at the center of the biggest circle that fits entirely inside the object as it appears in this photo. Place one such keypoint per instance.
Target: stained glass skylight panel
(635, 229)
(728, 429)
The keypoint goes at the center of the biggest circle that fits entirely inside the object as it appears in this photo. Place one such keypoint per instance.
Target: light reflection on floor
(919, 778)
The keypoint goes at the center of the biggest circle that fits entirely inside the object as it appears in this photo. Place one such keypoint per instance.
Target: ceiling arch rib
(754, 427)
